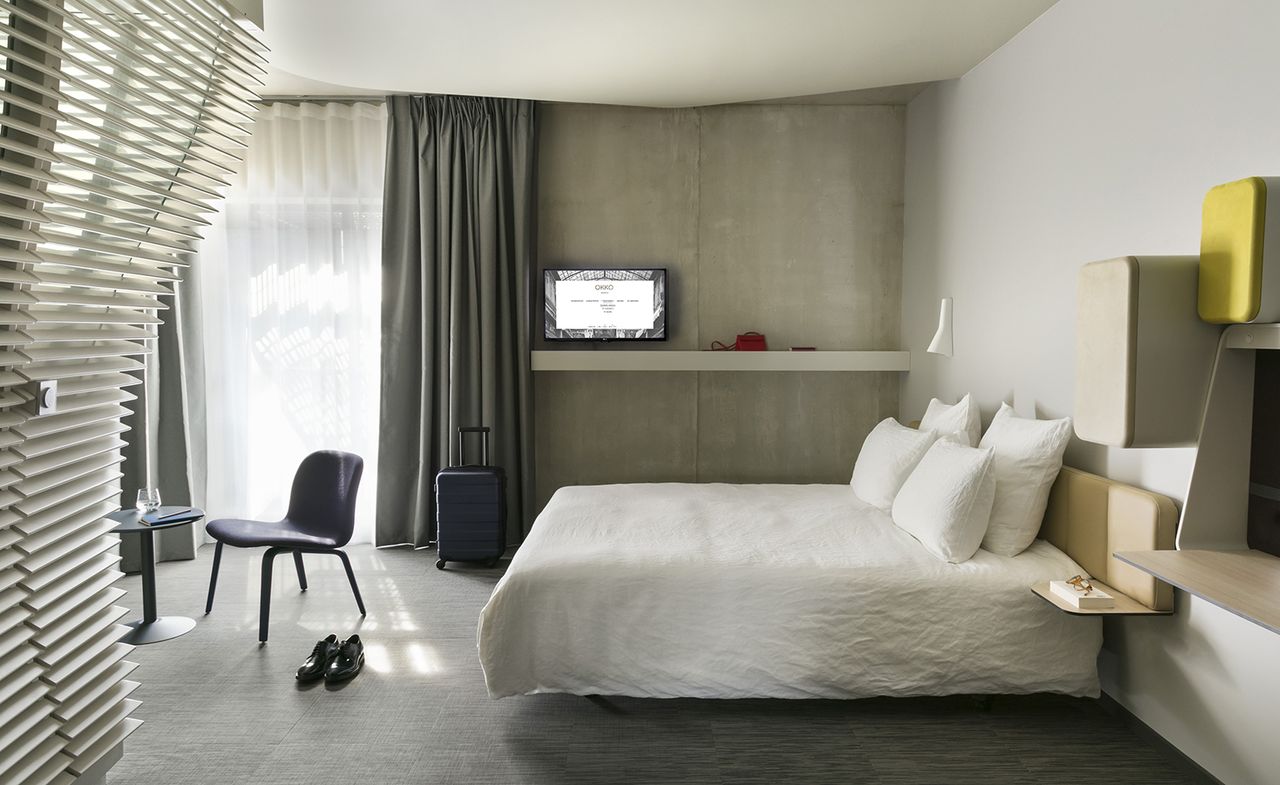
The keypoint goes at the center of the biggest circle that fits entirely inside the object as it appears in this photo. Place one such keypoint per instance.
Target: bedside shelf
(1246, 583)
(660, 360)
(1125, 605)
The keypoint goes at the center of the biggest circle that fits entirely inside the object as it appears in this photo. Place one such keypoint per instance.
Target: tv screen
(605, 305)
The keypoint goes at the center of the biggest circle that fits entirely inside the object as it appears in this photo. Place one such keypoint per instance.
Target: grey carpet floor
(221, 709)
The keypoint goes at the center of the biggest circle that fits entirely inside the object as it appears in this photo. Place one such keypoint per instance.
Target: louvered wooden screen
(121, 123)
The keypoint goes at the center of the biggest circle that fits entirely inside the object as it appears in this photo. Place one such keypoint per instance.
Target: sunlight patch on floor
(424, 659)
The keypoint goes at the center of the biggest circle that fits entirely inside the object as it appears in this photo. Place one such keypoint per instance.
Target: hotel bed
(798, 591)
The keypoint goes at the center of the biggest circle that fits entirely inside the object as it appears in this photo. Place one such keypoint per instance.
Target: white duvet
(782, 591)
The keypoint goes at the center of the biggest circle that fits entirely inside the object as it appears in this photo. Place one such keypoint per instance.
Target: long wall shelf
(662, 360)
(1246, 583)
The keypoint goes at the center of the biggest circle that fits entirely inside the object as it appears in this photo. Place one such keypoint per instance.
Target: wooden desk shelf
(1246, 583)
(1125, 605)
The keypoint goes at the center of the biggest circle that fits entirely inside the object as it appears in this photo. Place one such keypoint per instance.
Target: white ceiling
(634, 52)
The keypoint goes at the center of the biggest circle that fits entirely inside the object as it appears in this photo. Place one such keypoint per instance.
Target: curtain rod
(322, 99)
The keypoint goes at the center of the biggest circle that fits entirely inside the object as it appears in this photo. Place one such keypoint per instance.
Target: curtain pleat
(457, 271)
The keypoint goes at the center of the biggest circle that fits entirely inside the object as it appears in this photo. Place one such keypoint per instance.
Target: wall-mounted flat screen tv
(605, 305)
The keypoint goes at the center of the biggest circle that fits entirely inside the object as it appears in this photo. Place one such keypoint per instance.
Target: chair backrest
(323, 499)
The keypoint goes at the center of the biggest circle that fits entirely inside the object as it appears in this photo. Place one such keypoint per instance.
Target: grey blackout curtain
(457, 246)
(158, 452)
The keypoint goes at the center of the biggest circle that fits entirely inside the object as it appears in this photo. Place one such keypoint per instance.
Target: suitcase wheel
(439, 564)
(492, 563)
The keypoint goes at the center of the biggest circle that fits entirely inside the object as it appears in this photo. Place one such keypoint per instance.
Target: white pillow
(888, 455)
(946, 502)
(962, 416)
(1028, 457)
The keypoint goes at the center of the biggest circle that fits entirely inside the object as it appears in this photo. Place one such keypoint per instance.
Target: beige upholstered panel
(1106, 348)
(1143, 357)
(1090, 518)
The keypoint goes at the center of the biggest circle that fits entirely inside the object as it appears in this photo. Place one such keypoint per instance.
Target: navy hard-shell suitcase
(471, 509)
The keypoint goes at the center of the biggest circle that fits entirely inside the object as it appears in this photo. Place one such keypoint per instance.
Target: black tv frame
(666, 289)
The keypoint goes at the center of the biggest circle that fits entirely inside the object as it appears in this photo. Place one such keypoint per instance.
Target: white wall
(1095, 133)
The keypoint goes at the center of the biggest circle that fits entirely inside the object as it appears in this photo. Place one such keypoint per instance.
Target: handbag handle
(484, 443)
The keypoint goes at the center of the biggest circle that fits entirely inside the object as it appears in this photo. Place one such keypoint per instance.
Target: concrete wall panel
(618, 187)
(788, 427)
(611, 427)
(801, 224)
(783, 219)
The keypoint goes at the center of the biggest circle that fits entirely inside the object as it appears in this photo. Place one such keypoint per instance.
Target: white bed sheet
(782, 591)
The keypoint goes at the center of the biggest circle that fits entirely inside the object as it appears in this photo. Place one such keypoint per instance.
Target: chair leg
(302, 575)
(351, 576)
(213, 577)
(264, 609)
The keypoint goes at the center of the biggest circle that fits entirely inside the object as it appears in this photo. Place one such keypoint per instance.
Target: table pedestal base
(162, 629)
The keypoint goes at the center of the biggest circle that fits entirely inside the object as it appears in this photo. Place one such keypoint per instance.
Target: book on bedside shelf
(1094, 600)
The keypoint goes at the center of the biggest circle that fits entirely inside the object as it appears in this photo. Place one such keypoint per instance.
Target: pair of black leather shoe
(333, 661)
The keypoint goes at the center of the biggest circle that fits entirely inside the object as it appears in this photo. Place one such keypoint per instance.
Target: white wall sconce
(941, 343)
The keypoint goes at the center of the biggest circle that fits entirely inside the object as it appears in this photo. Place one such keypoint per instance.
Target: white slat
(98, 607)
(47, 462)
(88, 653)
(57, 371)
(64, 539)
(98, 750)
(61, 477)
(9, 598)
(24, 735)
(53, 772)
(77, 557)
(33, 758)
(88, 522)
(48, 604)
(70, 594)
(81, 428)
(77, 681)
(48, 611)
(64, 476)
(26, 678)
(23, 698)
(111, 714)
(40, 502)
(78, 702)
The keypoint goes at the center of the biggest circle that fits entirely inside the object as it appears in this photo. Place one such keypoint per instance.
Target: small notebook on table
(1097, 599)
(151, 519)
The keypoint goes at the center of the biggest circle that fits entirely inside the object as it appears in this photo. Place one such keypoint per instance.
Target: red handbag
(747, 342)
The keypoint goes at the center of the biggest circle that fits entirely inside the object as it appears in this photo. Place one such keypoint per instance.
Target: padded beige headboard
(1090, 517)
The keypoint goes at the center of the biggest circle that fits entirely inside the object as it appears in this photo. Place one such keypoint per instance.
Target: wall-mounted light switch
(44, 396)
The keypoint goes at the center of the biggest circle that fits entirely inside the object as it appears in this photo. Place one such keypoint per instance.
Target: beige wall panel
(618, 187)
(595, 427)
(788, 427)
(801, 227)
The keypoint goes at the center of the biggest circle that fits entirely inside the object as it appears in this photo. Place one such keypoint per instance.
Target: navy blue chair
(321, 517)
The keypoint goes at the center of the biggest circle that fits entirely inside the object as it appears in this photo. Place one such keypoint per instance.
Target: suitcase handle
(484, 443)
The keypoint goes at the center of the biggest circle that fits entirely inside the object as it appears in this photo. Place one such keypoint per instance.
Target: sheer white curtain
(288, 286)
